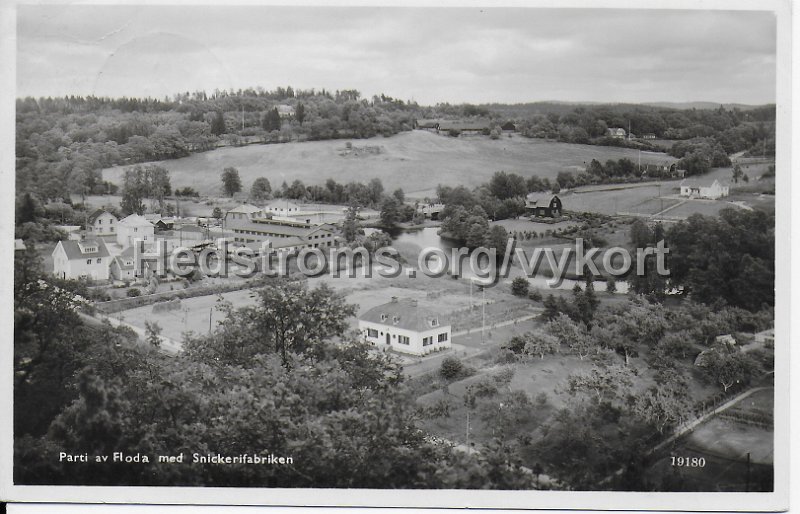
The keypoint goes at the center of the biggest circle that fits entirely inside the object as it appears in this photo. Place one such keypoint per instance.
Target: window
(88, 261)
(443, 337)
(371, 332)
(383, 317)
(99, 260)
(427, 341)
(403, 340)
(395, 319)
(99, 222)
(435, 322)
(135, 229)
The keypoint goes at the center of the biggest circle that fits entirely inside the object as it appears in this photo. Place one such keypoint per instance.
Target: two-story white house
(406, 326)
(101, 223)
(134, 227)
(699, 188)
(75, 259)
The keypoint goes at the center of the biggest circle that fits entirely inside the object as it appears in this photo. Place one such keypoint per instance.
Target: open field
(611, 201)
(415, 161)
(704, 207)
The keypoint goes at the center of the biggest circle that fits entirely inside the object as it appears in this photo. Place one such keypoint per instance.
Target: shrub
(451, 368)
(519, 286)
(535, 295)
(134, 292)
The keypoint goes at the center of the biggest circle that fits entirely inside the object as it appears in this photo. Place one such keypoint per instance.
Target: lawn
(611, 201)
(416, 161)
(193, 315)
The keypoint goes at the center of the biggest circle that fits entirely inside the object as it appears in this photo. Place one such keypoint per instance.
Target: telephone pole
(467, 440)
(483, 314)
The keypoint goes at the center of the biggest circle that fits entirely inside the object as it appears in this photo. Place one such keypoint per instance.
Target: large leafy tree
(261, 189)
(231, 183)
(725, 259)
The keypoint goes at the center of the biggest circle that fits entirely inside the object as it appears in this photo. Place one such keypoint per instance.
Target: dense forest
(62, 143)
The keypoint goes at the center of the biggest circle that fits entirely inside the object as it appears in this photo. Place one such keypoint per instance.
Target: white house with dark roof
(75, 259)
(699, 188)
(406, 326)
(134, 227)
(101, 223)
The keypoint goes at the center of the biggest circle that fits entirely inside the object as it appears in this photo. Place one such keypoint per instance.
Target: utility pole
(210, 311)
(747, 486)
(468, 448)
(470, 296)
(483, 314)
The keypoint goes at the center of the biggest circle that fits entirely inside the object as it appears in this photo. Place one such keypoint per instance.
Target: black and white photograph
(397, 254)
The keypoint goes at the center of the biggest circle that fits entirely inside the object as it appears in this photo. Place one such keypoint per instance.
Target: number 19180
(689, 462)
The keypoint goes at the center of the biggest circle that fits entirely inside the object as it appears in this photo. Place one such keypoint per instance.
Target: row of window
(396, 319)
(426, 341)
(99, 260)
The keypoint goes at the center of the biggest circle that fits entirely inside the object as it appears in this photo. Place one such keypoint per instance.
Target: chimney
(394, 299)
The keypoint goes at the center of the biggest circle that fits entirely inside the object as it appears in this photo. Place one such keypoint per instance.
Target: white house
(132, 228)
(406, 326)
(243, 213)
(282, 208)
(121, 267)
(699, 188)
(101, 223)
(75, 259)
(616, 132)
(285, 111)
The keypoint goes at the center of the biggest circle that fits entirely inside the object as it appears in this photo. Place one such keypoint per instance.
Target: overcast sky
(427, 54)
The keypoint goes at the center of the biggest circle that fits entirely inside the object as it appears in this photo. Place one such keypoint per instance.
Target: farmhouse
(75, 259)
(543, 205)
(648, 135)
(699, 188)
(616, 133)
(132, 228)
(405, 326)
(508, 126)
(101, 223)
(285, 111)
